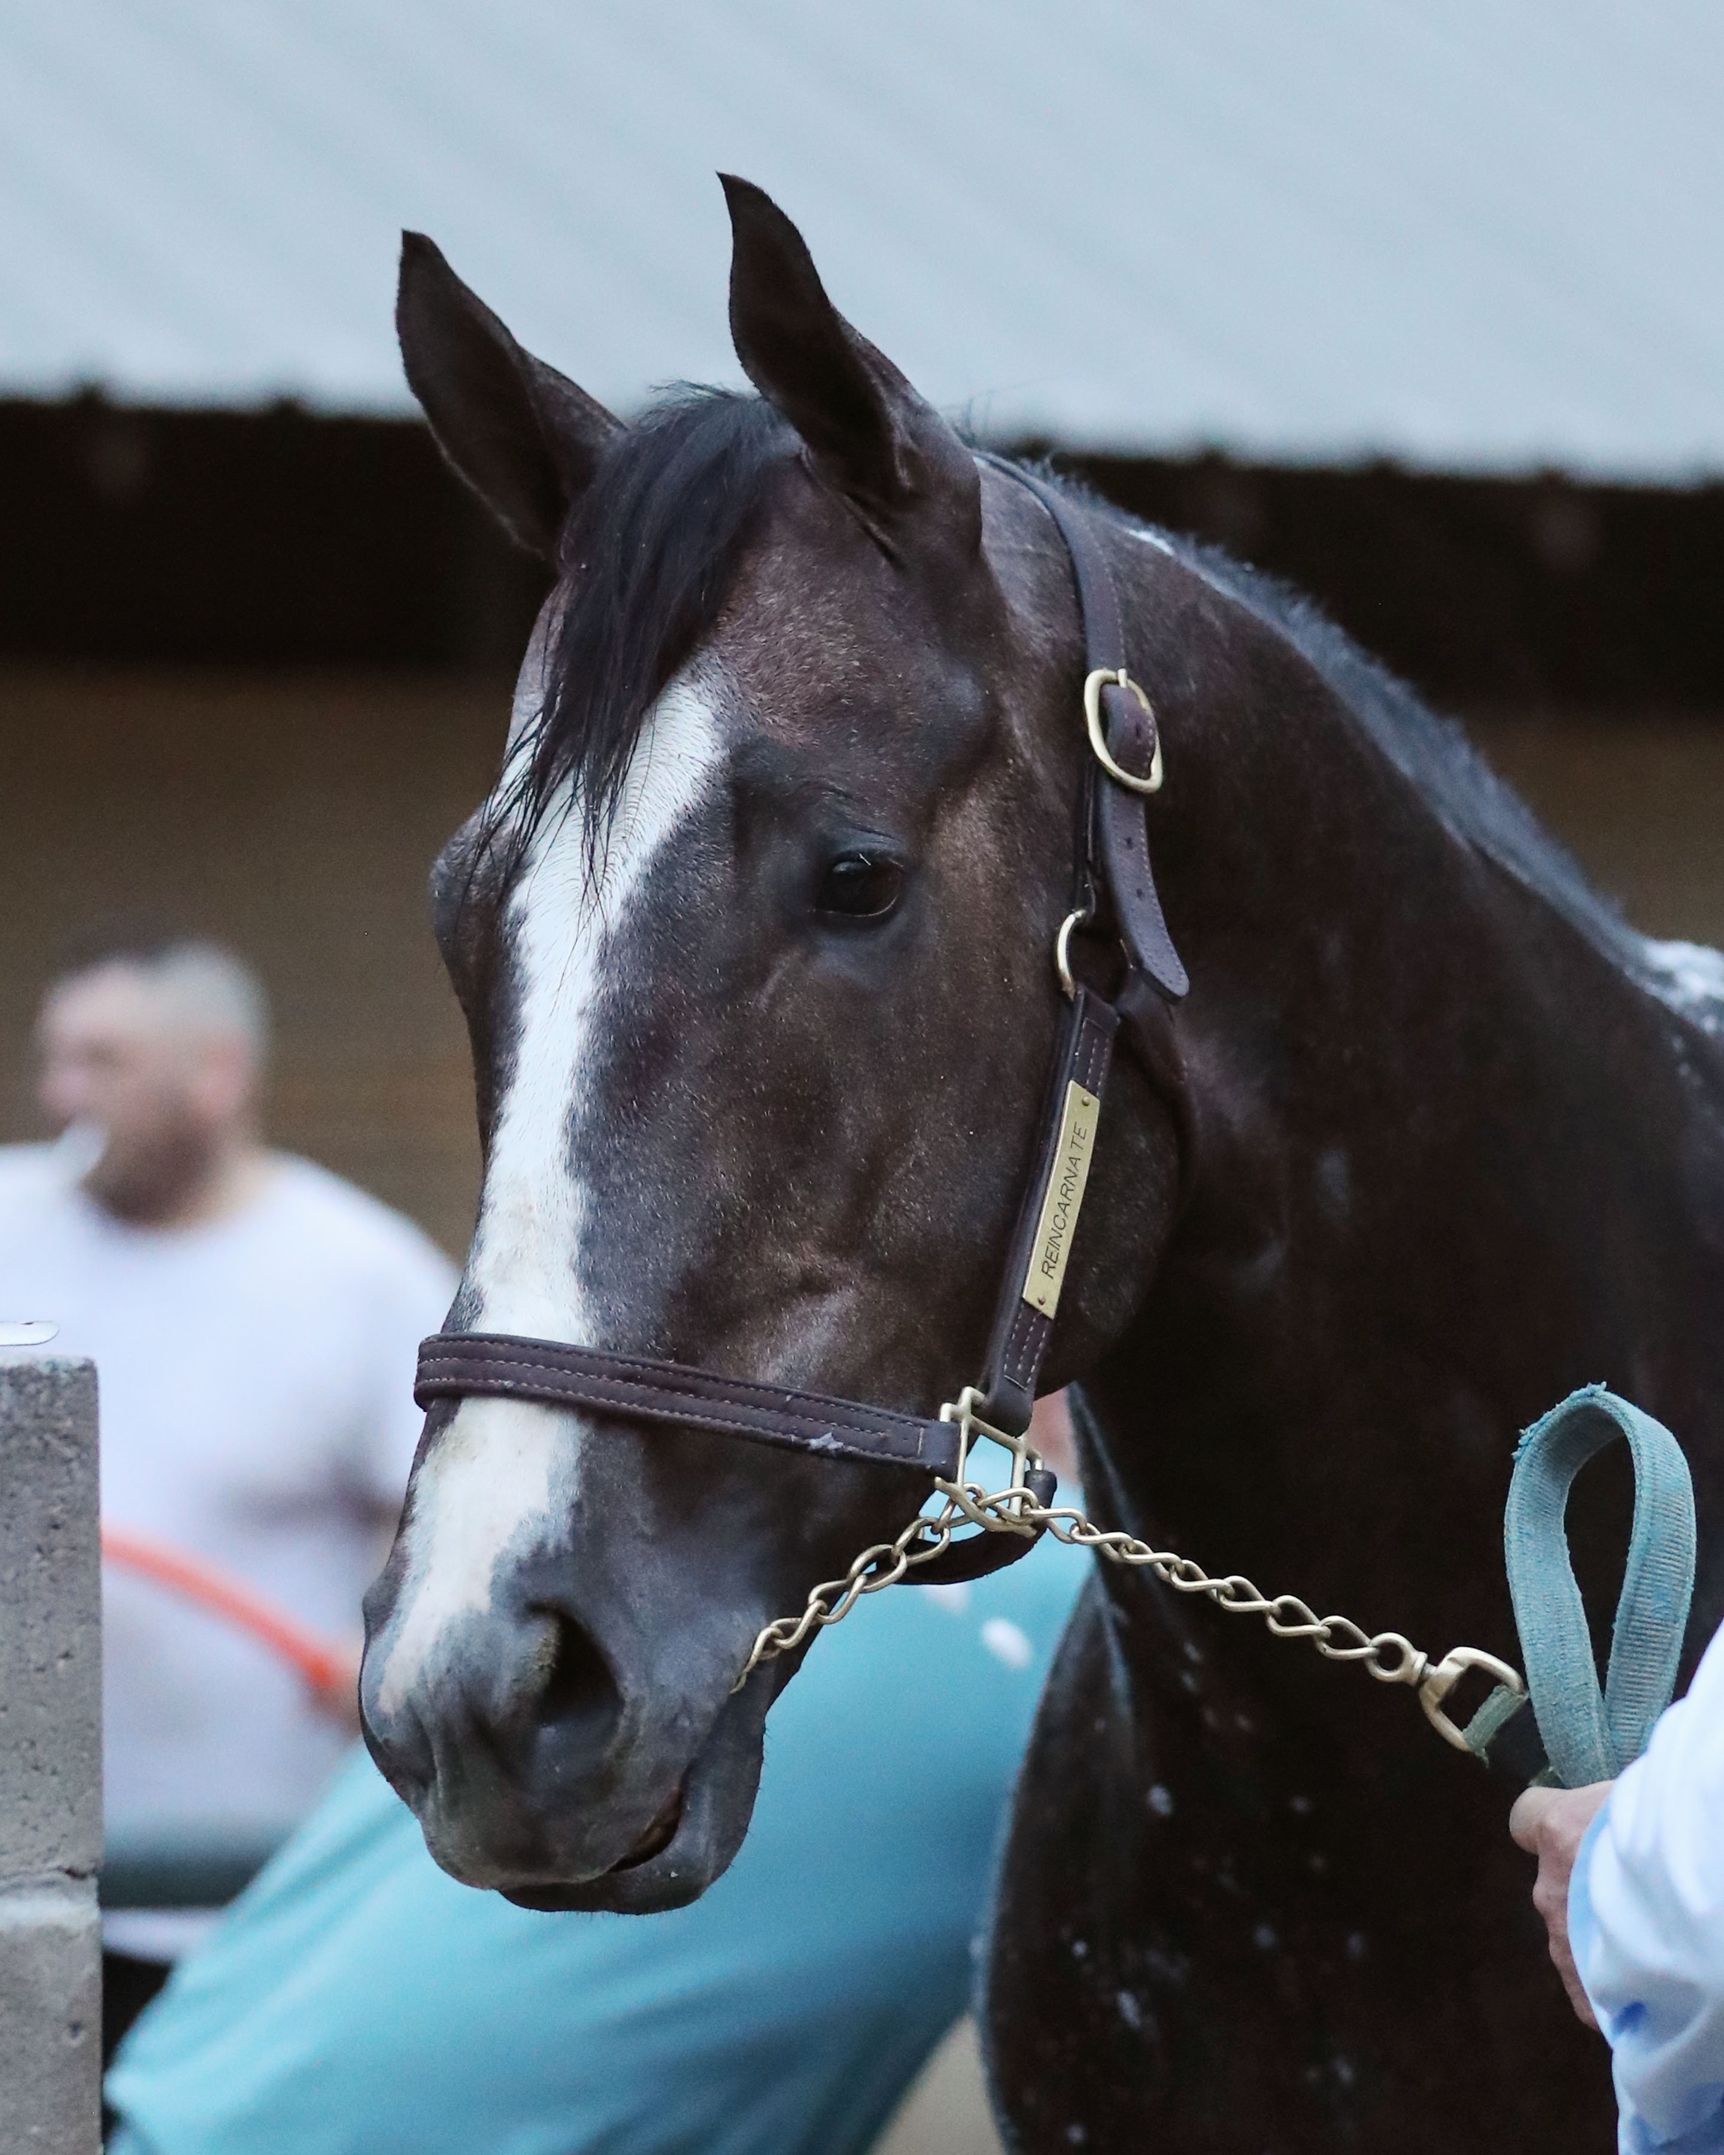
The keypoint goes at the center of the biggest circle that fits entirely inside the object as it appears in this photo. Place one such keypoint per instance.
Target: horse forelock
(646, 561)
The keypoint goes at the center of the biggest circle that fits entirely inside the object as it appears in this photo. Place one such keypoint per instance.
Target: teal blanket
(358, 2002)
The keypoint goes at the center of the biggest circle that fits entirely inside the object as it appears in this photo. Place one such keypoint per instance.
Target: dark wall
(279, 538)
(1514, 591)
(270, 538)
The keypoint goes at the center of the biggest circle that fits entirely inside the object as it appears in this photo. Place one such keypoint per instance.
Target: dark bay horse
(754, 939)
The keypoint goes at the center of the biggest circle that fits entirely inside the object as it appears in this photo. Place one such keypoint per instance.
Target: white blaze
(503, 1467)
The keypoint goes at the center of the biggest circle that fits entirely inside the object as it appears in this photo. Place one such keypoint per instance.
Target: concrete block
(50, 1617)
(50, 1757)
(50, 2018)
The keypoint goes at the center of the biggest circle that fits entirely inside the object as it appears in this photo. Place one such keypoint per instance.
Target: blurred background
(1419, 305)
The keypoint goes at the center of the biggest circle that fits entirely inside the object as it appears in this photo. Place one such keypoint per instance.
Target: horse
(755, 941)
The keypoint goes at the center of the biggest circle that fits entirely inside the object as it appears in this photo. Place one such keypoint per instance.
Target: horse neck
(1436, 1125)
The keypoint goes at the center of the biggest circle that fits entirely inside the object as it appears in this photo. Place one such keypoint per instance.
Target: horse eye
(860, 886)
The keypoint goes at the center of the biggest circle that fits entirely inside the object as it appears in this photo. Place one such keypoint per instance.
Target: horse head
(754, 939)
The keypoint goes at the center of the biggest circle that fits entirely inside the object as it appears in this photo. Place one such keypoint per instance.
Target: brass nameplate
(1061, 1201)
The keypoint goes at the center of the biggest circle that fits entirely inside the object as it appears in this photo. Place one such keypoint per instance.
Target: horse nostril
(579, 1693)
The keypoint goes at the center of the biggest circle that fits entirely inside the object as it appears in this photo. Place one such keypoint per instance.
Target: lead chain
(1387, 1655)
(1013, 1511)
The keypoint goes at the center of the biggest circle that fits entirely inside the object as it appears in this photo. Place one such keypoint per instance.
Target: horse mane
(1475, 804)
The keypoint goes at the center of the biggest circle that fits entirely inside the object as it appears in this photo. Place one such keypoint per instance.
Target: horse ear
(867, 432)
(524, 438)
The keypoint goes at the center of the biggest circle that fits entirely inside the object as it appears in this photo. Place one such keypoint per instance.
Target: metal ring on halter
(962, 1410)
(1103, 677)
(1063, 950)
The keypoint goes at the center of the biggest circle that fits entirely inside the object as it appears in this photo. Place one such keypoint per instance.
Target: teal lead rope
(1568, 1733)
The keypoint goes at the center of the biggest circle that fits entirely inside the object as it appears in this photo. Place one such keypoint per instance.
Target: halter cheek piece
(1112, 879)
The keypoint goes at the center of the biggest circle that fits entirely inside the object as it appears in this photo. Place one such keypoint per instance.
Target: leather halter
(1112, 878)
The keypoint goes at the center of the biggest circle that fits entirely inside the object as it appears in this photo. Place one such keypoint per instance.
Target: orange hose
(325, 1665)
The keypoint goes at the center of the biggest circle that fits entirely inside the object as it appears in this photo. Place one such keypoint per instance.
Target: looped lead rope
(1587, 1735)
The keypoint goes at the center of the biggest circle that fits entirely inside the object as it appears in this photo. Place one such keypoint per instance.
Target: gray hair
(206, 987)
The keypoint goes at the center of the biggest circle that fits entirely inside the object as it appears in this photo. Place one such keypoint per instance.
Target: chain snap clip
(1437, 1682)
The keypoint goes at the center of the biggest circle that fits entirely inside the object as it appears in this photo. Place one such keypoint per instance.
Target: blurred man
(254, 1322)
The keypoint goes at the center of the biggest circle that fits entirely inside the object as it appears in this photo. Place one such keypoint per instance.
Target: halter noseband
(1112, 865)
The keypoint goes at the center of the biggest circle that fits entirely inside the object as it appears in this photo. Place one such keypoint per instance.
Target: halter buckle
(1117, 677)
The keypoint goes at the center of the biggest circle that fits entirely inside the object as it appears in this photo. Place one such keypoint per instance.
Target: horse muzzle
(550, 1761)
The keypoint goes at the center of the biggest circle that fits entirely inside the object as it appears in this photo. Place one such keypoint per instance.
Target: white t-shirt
(256, 1385)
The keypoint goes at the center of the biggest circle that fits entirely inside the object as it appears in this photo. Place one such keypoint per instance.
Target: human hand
(1549, 1823)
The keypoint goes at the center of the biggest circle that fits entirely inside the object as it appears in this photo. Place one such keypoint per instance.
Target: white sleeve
(1646, 1920)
